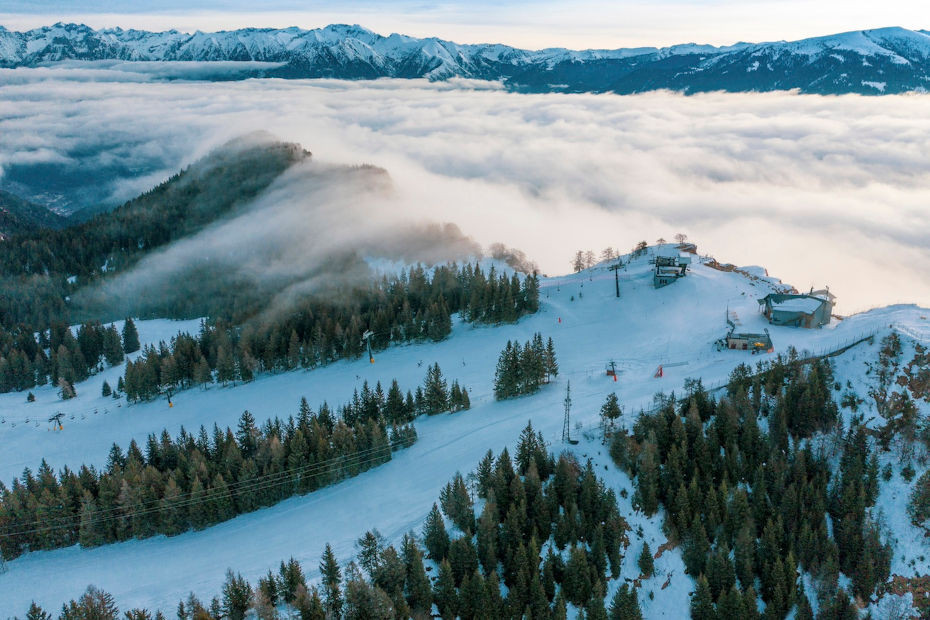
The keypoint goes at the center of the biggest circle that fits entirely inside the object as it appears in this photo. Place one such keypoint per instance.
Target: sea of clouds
(820, 190)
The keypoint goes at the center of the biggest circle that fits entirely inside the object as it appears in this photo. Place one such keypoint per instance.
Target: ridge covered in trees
(415, 305)
(750, 506)
(409, 307)
(549, 535)
(195, 481)
(36, 270)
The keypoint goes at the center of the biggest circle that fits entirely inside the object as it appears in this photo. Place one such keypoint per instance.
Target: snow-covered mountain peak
(895, 57)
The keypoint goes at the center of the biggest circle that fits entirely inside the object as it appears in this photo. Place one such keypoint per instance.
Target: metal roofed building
(810, 310)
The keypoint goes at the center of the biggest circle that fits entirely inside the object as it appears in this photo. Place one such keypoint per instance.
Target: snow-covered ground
(675, 326)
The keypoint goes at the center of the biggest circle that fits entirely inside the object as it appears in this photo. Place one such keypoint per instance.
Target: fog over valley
(819, 190)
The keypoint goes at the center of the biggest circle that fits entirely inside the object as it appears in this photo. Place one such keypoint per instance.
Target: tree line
(522, 369)
(60, 357)
(548, 536)
(749, 506)
(414, 307)
(194, 481)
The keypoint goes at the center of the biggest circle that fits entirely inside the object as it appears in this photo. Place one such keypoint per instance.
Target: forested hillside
(18, 216)
(35, 271)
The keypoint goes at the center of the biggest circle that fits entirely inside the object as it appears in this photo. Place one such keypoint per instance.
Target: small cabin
(811, 310)
(747, 342)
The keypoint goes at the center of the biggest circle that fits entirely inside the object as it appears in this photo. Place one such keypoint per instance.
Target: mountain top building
(810, 310)
(670, 264)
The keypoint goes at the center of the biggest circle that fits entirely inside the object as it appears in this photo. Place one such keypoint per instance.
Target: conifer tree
(625, 604)
(130, 337)
(610, 412)
(434, 535)
(237, 595)
(37, 613)
(702, 605)
(435, 391)
(202, 373)
(369, 551)
(332, 582)
(106, 390)
(645, 561)
(417, 588)
(444, 594)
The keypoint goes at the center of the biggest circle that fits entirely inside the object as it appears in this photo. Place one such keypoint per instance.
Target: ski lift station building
(670, 264)
(810, 310)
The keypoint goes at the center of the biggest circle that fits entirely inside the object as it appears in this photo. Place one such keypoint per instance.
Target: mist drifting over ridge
(820, 190)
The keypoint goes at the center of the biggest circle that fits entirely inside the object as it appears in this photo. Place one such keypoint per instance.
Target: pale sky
(533, 25)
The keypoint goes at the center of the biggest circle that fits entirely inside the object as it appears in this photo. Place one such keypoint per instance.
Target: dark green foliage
(395, 584)
(37, 613)
(625, 604)
(523, 369)
(645, 561)
(457, 504)
(726, 485)
(918, 508)
(190, 481)
(331, 576)
(130, 337)
(444, 594)
(94, 604)
(237, 594)
(412, 306)
(702, 603)
(540, 502)
(610, 412)
(434, 535)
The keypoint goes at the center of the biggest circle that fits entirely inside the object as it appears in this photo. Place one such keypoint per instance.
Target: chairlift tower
(366, 338)
(616, 270)
(566, 424)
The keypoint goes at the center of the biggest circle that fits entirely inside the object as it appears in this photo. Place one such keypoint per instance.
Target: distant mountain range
(879, 61)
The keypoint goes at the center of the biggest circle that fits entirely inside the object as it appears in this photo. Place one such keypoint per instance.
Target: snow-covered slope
(675, 326)
(846, 62)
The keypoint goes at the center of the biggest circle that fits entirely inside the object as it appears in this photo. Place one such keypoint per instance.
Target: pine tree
(369, 546)
(308, 604)
(112, 346)
(130, 337)
(702, 605)
(225, 366)
(610, 413)
(202, 373)
(625, 604)
(332, 582)
(434, 535)
(37, 613)
(106, 390)
(552, 365)
(237, 594)
(645, 561)
(444, 594)
(436, 394)
(417, 590)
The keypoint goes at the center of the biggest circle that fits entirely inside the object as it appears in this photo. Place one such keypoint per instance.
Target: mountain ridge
(875, 61)
(18, 215)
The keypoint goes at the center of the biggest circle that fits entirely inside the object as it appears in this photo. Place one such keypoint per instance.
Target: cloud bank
(820, 190)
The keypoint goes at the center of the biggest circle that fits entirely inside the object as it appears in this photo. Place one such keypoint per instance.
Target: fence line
(722, 383)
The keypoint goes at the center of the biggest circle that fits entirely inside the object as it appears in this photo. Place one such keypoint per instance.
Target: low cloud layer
(820, 190)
